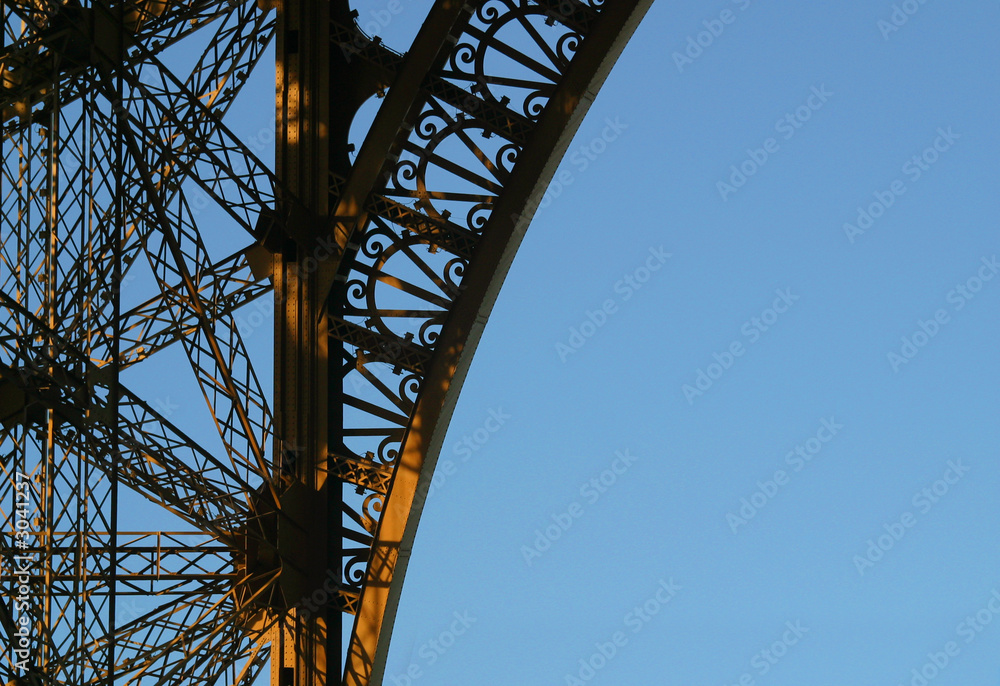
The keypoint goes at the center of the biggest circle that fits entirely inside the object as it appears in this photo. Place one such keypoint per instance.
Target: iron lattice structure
(382, 270)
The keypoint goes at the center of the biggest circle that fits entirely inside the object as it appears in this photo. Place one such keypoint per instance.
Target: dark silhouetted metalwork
(383, 262)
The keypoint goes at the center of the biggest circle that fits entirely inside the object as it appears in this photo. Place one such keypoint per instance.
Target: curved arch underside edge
(463, 330)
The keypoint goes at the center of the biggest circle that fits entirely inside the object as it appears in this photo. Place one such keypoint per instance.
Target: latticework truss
(136, 549)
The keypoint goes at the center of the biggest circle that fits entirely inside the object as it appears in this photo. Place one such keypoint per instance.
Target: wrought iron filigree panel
(120, 180)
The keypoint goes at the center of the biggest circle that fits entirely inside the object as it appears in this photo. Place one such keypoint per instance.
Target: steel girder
(509, 195)
(383, 272)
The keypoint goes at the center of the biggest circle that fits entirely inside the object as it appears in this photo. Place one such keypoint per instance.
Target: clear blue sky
(824, 359)
(812, 406)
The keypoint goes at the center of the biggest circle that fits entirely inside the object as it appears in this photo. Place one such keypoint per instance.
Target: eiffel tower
(135, 221)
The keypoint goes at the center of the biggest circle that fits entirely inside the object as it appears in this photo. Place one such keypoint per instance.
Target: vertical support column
(309, 518)
(116, 47)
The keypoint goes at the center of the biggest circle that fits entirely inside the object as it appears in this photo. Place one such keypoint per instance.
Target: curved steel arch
(501, 236)
(384, 270)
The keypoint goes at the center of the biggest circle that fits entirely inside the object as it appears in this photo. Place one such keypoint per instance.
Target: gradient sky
(800, 560)
(641, 275)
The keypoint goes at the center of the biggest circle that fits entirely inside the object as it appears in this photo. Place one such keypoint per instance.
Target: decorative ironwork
(136, 550)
